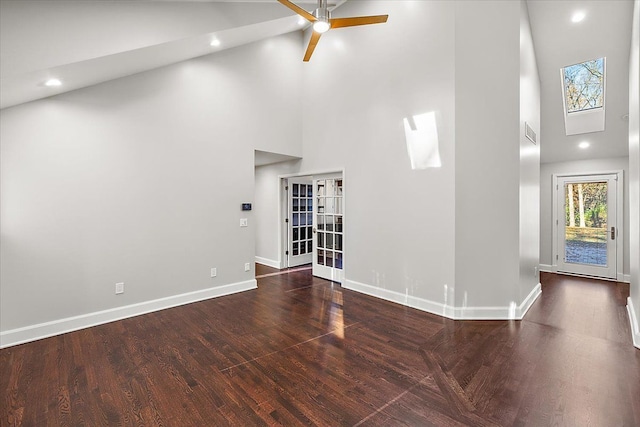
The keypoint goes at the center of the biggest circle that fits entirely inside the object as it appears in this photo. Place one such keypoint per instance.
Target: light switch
(244, 222)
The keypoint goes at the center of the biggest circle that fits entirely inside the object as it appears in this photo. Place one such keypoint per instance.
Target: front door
(328, 230)
(300, 221)
(587, 229)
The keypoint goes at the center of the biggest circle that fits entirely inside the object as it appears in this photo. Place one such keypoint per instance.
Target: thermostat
(246, 206)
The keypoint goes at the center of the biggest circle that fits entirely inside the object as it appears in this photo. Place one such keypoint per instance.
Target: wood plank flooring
(303, 351)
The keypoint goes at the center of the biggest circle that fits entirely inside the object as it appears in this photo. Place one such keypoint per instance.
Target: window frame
(587, 120)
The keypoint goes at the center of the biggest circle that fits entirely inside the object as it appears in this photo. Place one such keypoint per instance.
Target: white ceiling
(83, 43)
(605, 32)
(86, 42)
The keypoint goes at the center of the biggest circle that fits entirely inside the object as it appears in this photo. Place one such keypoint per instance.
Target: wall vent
(529, 133)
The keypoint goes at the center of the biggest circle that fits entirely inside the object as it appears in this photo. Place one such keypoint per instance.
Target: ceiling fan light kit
(321, 26)
(322, 22)
(323, 16)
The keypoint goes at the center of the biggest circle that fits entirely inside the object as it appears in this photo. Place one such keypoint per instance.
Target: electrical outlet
(247, 266)
(214, 272)
(120, 288)
(244, 222)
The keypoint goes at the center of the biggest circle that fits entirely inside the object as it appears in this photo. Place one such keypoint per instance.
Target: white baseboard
(268, 262)
(626, 278)
(403, 299)
(513, 312)
(635, 327)
(529, 300)
(44, 330)
(548, 268)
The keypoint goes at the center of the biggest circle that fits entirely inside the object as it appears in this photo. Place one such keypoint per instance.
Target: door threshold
(285, 271)
(586, 276)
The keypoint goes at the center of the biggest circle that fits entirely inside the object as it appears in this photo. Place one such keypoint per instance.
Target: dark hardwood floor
(303, 351)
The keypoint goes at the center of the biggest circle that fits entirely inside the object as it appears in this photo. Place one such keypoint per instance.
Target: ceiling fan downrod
(322, 13)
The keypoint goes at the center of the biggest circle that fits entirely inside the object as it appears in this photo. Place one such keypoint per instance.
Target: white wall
(487, 182)
(359, 86)
(442, 239)
(266, 210)
(634, 166)
(546, 200)
(529, 159)
(140, 180)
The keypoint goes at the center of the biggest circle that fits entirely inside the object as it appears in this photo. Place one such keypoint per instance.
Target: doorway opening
(588, 224)
(312, 216)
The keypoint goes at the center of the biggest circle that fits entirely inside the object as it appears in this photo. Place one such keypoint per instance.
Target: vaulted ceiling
(605, 32)
(86, 42)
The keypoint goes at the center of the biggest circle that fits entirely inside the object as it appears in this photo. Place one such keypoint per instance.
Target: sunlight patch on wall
(421, 133)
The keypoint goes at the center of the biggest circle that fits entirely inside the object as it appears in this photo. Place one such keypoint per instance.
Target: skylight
(584, 86)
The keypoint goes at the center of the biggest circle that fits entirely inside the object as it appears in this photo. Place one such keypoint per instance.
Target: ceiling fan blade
(358, 20)
(315, 38)
(300, 11)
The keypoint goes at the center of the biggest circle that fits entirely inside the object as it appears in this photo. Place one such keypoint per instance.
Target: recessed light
(53, 83)
(584, 144)
(215, 42)
(578, 16)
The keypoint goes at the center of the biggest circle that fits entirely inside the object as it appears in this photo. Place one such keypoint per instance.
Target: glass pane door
(328, 258)
(300, 222)
(587, 225)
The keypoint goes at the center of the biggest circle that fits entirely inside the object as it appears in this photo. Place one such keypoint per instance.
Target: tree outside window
(584, 85)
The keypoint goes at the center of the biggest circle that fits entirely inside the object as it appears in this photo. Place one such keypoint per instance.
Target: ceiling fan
(323, 22)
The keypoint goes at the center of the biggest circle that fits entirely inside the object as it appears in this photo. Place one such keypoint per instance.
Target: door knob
(613, 233)
(314, 230)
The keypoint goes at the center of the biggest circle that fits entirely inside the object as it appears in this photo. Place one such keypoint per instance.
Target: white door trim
(312, 173)
(619, 217)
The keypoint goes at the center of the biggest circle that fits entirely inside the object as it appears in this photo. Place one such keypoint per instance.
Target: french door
(328, 230)
(300, 222)
(586, 223)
